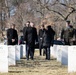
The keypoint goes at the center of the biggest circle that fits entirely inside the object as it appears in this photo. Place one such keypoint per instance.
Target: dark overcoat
(48, 37)
(30, 35)
(40, 37)
(12, 34)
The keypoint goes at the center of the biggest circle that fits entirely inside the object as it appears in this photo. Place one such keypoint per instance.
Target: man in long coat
(29, 37)
(48, 37)
(41, 31)
(35, 37)
(25, 27)
(12, 36)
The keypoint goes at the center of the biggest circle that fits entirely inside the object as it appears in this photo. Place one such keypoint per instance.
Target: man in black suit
(24, 34)
(48, 37)
(41, 31)
(29, 37)
(35, 37)
(25, 27)
(12, 36)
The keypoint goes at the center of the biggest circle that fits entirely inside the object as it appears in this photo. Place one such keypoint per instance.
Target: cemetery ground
(38, 66)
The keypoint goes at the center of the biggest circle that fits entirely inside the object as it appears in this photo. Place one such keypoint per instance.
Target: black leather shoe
(27, 58)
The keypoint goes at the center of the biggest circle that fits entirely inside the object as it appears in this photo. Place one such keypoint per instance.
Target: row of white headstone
(66, 55)
(9, 55)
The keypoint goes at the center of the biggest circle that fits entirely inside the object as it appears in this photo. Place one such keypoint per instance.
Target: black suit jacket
(40, 37)
(30, 35)
(12, 34)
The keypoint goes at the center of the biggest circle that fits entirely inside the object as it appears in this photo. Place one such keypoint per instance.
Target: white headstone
(59, 53)
(53, 51)
(3, 58)
(22, 51)
(64, 59)
(1, 43)
(72, 59)
(17, 49)
(11, 56)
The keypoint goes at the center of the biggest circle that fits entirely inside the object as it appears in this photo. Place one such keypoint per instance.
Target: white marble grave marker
(51, 51)
(17, 49)
(11, 56)
(64, 59)
(59, 53)
(22, 51)
(54, 51)
(72, 59)
(3, 58)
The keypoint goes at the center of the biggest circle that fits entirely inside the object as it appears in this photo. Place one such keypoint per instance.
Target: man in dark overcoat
(29, 37)
(48, 37)
(35, 37)
(25, 27)
(24, 34)
(41, 31)
(12, 36)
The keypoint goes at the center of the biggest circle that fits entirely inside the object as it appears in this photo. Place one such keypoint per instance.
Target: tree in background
(54, 12)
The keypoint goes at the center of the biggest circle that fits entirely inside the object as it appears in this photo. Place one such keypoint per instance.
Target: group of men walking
(31, 38)
(44, 38)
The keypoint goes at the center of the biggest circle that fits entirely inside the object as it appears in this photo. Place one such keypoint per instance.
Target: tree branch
(57, 13)
(40, 12)
(69, 14)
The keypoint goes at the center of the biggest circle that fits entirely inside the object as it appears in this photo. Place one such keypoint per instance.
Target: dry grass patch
(38, 66)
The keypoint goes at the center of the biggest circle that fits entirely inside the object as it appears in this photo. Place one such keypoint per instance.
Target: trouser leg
(40, 50)
(27, 52)
(66, 41)
(31, 52)
(48, 53)
(26, 49)
(44, 51)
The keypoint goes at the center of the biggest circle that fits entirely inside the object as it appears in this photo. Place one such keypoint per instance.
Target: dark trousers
(47, 49)
(40, 50)
(26, 49)
(29, 52)
(40, 46)
(33, 50)
(66, 41)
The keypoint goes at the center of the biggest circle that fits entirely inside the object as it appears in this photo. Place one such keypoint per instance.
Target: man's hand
(72, 39)
(13, 40)
(41, 38)
(24, 41)
(62, 39)
(36, 43)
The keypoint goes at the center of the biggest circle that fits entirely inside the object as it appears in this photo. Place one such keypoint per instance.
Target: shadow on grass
(53, 58)
(15, 71)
